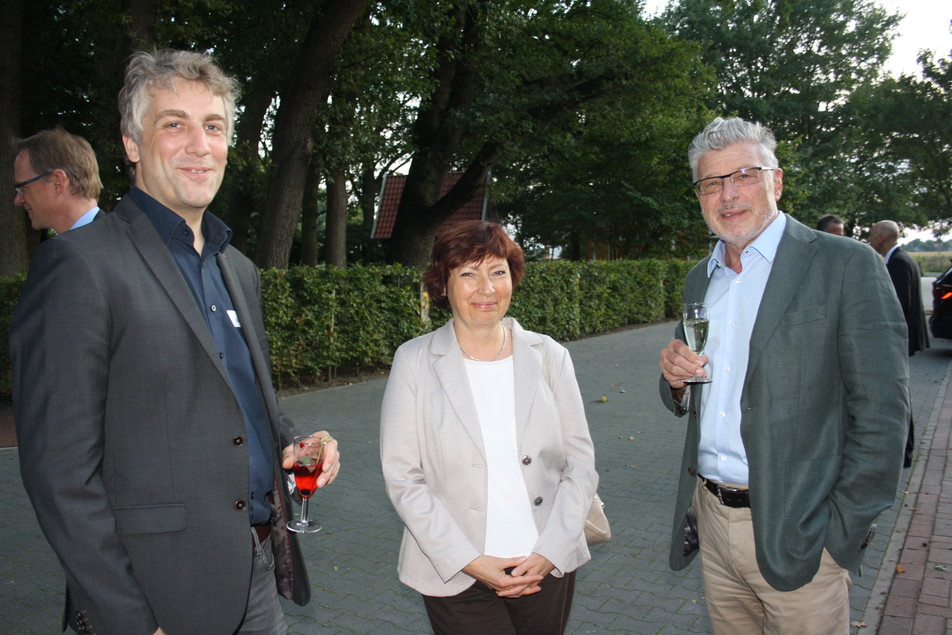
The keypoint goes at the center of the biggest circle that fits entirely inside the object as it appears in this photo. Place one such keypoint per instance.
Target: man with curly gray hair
(151, 438)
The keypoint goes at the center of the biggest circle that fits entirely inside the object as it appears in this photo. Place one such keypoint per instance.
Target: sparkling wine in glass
(308, 461)
(696, 327)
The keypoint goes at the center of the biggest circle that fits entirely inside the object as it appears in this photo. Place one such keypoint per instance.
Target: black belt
(729, 496)
(263, 531)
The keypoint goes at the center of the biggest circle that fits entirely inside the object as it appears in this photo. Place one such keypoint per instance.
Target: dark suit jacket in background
(905, 275)
(824, 406)
(131, 439)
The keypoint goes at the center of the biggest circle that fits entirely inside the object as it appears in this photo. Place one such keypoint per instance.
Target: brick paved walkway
(919, 600)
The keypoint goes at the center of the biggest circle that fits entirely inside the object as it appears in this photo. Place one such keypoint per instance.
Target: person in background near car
(831, 224)
(795, 447)
(56, 178)
(906, 278)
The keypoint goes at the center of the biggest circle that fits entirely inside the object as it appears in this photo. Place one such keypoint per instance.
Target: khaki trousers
(741, 602)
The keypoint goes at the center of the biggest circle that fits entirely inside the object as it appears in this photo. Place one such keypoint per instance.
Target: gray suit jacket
(131, 439)
(431, 449)
(824, 403)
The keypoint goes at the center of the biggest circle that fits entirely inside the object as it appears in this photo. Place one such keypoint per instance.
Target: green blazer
(824, 406)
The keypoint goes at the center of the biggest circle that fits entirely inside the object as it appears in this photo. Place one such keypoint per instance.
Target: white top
(510, 528)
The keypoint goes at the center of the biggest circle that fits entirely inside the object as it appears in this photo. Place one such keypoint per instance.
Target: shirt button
(238, 441)
(537, 501)
(241, 505)
(526, 460)
(213, 308)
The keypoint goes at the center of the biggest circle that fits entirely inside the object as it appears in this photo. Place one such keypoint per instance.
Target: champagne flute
(696, 325)
(308, 461)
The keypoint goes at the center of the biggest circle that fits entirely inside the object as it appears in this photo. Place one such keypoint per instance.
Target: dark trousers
(478, 610)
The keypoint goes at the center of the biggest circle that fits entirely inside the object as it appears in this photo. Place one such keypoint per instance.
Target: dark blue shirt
(204, 279)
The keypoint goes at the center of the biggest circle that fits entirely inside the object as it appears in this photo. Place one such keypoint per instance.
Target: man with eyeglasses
(56, 180)
(795, 446)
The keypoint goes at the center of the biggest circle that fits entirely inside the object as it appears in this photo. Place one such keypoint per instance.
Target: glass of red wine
(308, 461)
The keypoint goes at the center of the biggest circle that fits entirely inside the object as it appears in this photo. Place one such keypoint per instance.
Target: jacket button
(241, 505)
(692, 471)
(537, 501)
(238, 440)
(526, 460)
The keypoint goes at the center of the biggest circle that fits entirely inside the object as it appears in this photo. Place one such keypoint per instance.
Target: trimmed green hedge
(321, 320)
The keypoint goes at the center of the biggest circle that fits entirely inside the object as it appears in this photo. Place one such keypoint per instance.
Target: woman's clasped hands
(523, 579)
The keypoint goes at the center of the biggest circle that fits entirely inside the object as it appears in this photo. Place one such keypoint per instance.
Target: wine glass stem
(304, 502)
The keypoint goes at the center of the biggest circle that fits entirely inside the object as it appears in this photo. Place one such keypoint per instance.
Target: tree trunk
(293, 128)
(438, 132)
(310, 212)
(242, 197)
(367, 196)
(335, 242)
(14, 230)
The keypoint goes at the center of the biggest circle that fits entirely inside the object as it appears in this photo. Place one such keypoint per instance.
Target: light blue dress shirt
(733, 300)
(86, 218)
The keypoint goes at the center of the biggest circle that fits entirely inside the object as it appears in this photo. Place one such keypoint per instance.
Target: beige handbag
(597, 529)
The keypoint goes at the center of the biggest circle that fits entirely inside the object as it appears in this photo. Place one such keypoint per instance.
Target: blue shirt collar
(765, 244)
(217, 233)
(86, 218)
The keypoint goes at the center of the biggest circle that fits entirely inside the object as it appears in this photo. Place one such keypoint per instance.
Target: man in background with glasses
(56, 180)
(795, 447)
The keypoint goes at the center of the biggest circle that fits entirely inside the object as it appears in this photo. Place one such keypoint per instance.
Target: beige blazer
(434, 464)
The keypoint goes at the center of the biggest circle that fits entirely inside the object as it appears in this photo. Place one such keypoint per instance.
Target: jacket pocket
(811, 314)
(152, 519)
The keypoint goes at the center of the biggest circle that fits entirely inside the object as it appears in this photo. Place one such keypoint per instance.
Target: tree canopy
(579, 110)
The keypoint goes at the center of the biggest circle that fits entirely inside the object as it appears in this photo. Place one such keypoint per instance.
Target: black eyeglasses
(740, 178)
(18, 187)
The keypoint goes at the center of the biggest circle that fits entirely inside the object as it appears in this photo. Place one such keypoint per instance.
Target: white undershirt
(510, 529)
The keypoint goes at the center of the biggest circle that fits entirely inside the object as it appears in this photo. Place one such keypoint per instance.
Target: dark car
(940, 322)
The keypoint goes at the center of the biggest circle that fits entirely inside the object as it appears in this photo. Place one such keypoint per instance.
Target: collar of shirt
(86, 218)
(765, 244)
(172, 226)
(890, 253)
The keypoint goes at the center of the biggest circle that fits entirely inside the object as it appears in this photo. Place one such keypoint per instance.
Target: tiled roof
(475, 209)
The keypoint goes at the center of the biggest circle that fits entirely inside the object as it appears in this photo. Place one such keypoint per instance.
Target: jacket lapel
(450, 370)
(159, 260)
(240, 302)
(794, 256)
(528, 365)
